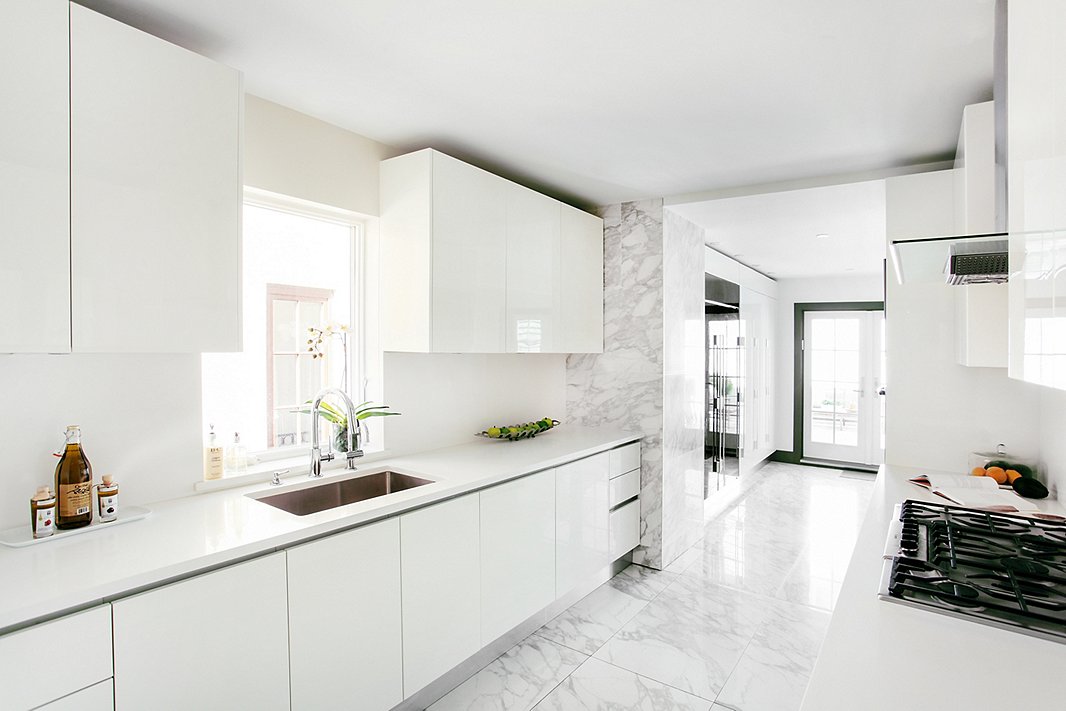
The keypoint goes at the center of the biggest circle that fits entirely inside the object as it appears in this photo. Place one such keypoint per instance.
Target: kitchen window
(302, 326)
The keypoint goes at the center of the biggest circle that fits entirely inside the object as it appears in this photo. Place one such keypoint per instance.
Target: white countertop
(880, 655)
(203, 531)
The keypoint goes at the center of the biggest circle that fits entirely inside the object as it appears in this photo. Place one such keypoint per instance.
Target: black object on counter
(1029, 488)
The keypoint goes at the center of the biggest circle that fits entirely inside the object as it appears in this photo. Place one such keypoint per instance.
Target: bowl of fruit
(1010, 472)
(525, 430)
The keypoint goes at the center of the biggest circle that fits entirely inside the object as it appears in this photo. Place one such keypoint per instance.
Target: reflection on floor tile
(517, 680)
(773, 672)
(591, 621)
(737, 619)
(690, 637)
(598, 686)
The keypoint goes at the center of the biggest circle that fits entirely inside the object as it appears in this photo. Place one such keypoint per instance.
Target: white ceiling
(776, 233)
(599, 101)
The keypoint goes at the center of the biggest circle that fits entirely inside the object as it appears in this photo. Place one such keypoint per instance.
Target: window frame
(357, 352)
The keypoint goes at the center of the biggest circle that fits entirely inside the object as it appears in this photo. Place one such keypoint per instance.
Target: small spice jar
(107, 499)
(43, 512)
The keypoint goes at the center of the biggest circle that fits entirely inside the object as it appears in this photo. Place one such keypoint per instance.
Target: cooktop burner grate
(997, 568)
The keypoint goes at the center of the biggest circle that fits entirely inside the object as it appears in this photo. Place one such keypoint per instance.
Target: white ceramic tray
(23, 535)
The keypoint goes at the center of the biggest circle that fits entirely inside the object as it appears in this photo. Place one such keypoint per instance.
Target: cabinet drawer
(28, 671)
(625, 529)
(625, 459)
(624, 487)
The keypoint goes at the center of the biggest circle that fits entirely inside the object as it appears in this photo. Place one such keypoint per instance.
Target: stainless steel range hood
(951, 259)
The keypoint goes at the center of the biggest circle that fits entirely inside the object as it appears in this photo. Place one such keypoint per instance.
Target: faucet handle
(275, 478)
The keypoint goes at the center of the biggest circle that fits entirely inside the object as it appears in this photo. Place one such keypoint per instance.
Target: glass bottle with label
(43, 512)
(107, 498)
(74, 484)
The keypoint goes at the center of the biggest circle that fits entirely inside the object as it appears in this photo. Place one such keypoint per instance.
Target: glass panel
(822, 412)
(822, 334)
(311, 314)
(285, 336)
(823, 365)
(285, 425)
(286, 381)
(847, 366)
(847, 334)
(310, 377)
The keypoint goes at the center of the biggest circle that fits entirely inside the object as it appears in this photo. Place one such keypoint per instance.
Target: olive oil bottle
(74, 484)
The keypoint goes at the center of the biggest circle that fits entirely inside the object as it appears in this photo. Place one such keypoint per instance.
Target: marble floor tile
(690, 637)
(773, 672)
(590, 622)
(754, 566)
(598, 686)
(516, 680)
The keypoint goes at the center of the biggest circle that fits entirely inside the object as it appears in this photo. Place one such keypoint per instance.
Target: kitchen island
(882, 656)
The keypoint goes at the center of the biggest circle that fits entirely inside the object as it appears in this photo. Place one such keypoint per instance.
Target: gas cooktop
(996, 568)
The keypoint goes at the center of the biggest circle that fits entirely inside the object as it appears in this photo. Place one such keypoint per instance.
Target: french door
(843, 384)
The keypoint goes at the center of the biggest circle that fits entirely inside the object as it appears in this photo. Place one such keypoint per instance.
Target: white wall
(937, 411)
(445, 398)
(1052, 439)
(861, 287)
(290, 153)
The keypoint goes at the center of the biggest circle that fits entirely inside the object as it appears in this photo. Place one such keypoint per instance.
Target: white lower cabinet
(440, 589)
(29, 676)
(98, 697)
(517, 552)
(344, 620)
(581, 527)
(216, 641)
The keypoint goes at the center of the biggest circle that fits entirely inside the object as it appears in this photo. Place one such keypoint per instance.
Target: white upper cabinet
(155, 193)
(534, 260)
(473, 263)
(581, 282)
(34, 177)
(1036, 183)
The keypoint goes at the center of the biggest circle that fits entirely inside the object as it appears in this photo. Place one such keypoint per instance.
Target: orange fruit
(1012, 475)
(978, 471)
(997, 473)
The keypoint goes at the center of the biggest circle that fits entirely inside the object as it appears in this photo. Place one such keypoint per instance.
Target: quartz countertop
(879, 655)
(203, 531)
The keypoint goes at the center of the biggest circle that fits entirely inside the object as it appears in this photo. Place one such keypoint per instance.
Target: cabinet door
(1036, 173)
(469, 258)
(517, 552)
(581, 529)
(155, 193)
(533, 271)
(344, 620)
(98, 697)
(581, 281)
(441, 596)
(34, 178)
(28, 673)
(216, 641)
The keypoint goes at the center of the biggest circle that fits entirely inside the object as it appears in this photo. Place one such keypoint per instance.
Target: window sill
(297, 467)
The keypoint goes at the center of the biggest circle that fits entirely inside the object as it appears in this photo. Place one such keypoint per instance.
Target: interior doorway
(841, 375)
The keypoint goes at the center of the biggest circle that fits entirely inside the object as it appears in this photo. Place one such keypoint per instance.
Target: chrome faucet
(354, 450)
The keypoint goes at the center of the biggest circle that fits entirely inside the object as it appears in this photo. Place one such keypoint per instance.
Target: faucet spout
(354, 449)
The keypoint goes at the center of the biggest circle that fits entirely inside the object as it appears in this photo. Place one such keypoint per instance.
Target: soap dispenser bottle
(236, 457)
(212, 456)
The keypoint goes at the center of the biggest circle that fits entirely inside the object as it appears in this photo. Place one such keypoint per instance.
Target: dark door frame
(800, 312)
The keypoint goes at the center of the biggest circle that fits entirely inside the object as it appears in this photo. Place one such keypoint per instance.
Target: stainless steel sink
(331, 494)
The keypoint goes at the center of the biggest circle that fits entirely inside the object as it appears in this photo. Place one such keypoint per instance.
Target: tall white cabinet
(344, 620)
(155, 193)
(758, 315)
(473, 263)
(517, 552)
(1036, 176)
(582, 528)
(216, 641)
(34, 177)
(441, 589)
